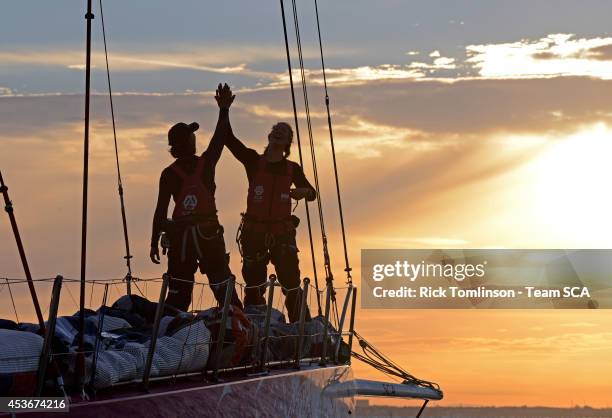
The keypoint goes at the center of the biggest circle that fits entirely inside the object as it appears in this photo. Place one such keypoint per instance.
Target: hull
(301, 393)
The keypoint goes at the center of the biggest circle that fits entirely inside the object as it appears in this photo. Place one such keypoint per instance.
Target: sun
(572, 197)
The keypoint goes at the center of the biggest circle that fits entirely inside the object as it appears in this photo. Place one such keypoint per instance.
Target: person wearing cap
(194, 236)
(268, 229)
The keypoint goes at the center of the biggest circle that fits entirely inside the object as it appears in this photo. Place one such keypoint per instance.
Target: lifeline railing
(258, 362)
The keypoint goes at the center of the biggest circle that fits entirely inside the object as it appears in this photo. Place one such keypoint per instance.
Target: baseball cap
(181, 132)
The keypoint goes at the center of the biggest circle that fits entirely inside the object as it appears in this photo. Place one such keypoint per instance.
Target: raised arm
(224, 98)
(240, 151)
(215, 146)
(161, 211)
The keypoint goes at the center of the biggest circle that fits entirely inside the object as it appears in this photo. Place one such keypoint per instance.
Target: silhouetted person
(194, 234)
(269, 229)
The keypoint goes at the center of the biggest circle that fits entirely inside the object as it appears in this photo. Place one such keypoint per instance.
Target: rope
(12, 300)
(380, 362)
(347, 268)
(91, 296)
(71, 295)
(199, 304)
(128, 256)
(139, 291)
(297, 130)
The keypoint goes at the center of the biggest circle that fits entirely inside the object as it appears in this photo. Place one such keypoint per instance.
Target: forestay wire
(128, 256)
(347, 268)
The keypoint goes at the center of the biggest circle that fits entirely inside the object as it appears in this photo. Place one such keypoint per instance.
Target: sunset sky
(464, 124)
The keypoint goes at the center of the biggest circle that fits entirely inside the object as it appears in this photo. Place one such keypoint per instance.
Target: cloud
(428, 242)
(222, 59)
(579, 325)
(473, 107)
(352, 76)
(442, 63)
(551, 56)
(574, 343)
(5, 91)
(266, 111)
(257, 66)
(364, 139)
(197, 60)
(437, 242)
(416, 146)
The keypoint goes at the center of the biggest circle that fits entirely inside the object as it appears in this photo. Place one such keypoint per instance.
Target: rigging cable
(326, 260)
(128, 256)
(297, 130)
(8, 284)
(347, 268)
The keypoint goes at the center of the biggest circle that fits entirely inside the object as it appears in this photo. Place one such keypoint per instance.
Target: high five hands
(224, 96)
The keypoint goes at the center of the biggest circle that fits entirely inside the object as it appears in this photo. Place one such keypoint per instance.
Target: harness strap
(194, 232)
(184, 246)
(239, 235)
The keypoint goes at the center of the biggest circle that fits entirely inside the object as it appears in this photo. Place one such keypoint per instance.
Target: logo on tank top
(190, 202)
(259, 191)
(284, 196)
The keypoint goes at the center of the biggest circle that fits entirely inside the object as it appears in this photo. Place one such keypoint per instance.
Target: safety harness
(269, 209)
(269, 201)
(194, 214)
(194, 198)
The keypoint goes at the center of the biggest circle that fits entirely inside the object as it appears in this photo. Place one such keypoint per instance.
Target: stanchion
(352, 324)
(154, 333)
(49, 334)
(94, 360)
(341, 324)
(300, 338)
(329, 290)
(221, 337)
(263, 355)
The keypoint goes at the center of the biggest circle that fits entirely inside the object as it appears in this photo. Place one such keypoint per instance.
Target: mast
(8, 207)
(80, 359)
